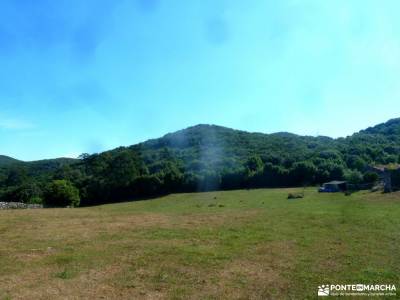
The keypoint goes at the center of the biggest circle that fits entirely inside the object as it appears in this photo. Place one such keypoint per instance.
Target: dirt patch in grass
(380, 197)
(257, 274)
(135, 222)
(216, 219)
(94, 284)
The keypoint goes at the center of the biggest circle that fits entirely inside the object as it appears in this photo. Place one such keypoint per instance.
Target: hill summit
(6, 160)
(390, 128)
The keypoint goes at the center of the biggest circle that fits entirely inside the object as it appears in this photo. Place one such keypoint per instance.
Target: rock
(18, 205)
(295, 196)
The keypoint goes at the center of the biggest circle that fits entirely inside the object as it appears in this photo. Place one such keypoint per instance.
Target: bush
(26, 193)
(147, 185)
(371, 177)
(62, 193)
(303, 173)
(35, 200)
(354, 176)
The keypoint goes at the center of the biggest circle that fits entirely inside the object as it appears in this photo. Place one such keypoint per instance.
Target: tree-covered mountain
(6, 161)
(389, 129)
(206, 157)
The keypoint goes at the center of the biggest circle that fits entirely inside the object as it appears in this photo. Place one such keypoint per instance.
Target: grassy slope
(242, 244)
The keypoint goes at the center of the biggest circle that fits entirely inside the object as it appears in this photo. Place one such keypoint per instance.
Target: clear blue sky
(89, 75)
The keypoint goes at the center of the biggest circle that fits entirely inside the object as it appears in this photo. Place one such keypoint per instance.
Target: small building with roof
(333, 187)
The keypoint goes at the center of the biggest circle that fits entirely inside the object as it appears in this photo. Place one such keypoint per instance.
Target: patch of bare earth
(216, 219)
(380, 197)
(259, 274)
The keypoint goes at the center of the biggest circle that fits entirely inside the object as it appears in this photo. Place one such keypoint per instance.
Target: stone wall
(18, 205)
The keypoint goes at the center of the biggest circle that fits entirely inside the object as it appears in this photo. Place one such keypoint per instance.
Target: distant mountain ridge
(6, 160)
(389, 128)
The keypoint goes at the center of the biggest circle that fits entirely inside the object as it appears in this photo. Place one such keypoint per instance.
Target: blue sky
(85, 76)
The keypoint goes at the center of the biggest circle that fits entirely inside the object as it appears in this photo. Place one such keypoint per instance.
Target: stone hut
(388, 175)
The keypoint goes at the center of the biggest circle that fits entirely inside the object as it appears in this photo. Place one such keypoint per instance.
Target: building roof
(383, 168)
(336, 182)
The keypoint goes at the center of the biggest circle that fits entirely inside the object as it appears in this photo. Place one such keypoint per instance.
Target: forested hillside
(200, 158)
(6, 161)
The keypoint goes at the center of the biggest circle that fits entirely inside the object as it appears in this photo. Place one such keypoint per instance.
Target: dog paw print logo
(323, 290)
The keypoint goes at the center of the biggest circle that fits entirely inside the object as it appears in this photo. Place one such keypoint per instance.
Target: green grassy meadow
(246, 244)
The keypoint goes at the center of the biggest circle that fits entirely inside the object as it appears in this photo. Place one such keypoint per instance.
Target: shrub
(27, 193)
(354, 176)
(370, 177)
(62, 193)
(35, 200)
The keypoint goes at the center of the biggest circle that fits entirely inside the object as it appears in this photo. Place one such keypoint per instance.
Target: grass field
(252, 244)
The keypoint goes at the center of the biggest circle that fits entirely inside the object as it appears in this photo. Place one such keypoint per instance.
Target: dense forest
(200, 158)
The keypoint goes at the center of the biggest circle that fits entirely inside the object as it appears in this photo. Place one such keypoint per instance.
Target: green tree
(28, 192)
(303, 172)
(275, 175)
(353, 176)
(370, 177)
(147, 185)
(16, 176)
(62, 193)
(84, 156)
(355, 162)
(123, 169)
(172, 177)
(254, 164)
